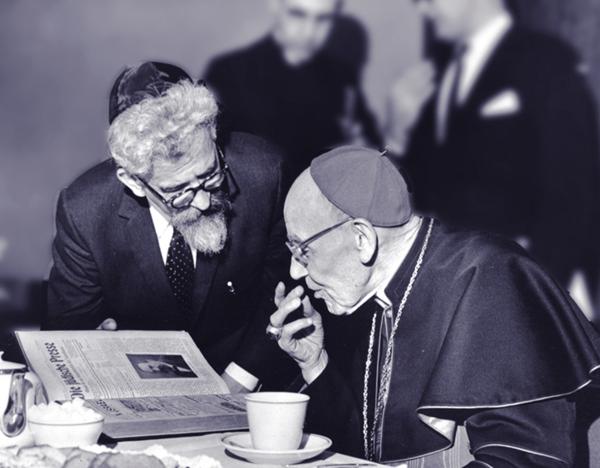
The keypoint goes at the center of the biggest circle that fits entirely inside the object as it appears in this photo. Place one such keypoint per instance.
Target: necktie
(448, 96)
(180, 271)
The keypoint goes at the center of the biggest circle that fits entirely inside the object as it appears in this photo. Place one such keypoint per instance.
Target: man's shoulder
(475, 248)
(94, 188)
(537, 48)
(483, 263)
(252, 152)
(255, 164)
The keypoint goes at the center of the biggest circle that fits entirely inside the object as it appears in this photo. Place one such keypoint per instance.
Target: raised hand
(302, 339)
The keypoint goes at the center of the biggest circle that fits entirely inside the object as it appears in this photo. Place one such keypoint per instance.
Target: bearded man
(177, 231)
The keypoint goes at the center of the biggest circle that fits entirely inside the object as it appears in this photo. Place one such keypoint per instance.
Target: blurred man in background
(175, 232)
(507, 140)
(288, 89)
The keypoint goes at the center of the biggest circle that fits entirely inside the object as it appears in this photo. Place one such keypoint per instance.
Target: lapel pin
(230, 287)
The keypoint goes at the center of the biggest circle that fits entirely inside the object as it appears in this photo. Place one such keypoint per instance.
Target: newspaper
(95, 364)
(143, 382)
(154, 416)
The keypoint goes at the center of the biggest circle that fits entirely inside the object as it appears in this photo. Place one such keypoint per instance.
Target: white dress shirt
(478, 50)
(164, 233)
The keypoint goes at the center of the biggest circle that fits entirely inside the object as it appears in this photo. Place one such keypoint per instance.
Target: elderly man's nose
(201, 200)
(297, 270)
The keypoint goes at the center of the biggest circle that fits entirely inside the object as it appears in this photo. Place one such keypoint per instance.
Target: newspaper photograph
(96, 364)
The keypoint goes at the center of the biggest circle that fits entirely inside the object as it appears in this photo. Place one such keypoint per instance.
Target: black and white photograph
(161, 366)
(374, 224)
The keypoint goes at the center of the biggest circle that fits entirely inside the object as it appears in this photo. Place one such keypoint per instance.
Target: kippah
(136, 83)
(363, 183)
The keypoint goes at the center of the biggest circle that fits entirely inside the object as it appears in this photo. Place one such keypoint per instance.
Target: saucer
(240, 444)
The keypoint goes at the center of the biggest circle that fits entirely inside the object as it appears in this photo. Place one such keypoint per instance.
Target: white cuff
(311, 374)
(241, 376)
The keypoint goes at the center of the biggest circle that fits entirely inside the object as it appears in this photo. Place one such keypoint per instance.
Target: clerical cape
(487, 339)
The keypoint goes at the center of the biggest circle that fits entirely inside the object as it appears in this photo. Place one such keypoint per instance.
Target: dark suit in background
(529, 172)
(107, 262)
(304, 109)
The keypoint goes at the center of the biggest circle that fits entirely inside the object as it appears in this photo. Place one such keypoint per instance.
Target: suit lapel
(487, 80)
(143, 244)
(206, 268)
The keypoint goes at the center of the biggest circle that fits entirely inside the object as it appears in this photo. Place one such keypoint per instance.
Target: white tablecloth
(210, 445)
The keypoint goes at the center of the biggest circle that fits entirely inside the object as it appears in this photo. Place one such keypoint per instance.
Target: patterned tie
(180, 271)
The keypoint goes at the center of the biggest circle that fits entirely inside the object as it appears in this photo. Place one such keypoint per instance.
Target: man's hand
(108, 324)
(406, 99)
(303, 338)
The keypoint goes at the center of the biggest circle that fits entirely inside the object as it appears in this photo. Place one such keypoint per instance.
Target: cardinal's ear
(365, 239)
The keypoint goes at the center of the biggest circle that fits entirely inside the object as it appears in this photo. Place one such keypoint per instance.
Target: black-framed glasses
(184, 199)
(298, 250)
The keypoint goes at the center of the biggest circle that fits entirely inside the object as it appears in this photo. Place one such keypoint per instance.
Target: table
(209, 444)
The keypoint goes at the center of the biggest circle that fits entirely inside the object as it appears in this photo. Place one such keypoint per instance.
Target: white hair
(162, 128)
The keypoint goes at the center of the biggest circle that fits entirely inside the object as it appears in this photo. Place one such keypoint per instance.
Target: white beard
(207, 234)
(206, 231)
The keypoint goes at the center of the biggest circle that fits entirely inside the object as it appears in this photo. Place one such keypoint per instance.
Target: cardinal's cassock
(470, 334)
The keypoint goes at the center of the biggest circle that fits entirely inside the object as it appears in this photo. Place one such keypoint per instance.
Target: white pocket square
(504, 103)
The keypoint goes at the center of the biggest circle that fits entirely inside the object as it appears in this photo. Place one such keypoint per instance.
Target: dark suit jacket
(107, 262)
(298, 108)
(486, 339)
(531, 173)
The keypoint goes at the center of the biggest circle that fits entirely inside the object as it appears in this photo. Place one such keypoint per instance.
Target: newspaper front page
(96, 364)
(145, 383)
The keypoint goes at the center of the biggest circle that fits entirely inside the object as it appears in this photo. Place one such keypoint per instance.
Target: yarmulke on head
(138, 82)
(363, 183)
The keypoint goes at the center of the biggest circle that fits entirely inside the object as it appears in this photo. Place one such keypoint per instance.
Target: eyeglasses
(298, 250)
(185, 198)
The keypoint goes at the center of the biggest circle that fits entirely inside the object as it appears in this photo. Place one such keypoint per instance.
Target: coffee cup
(276, 419)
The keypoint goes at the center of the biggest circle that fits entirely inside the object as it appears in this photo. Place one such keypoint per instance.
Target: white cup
(276, 419)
